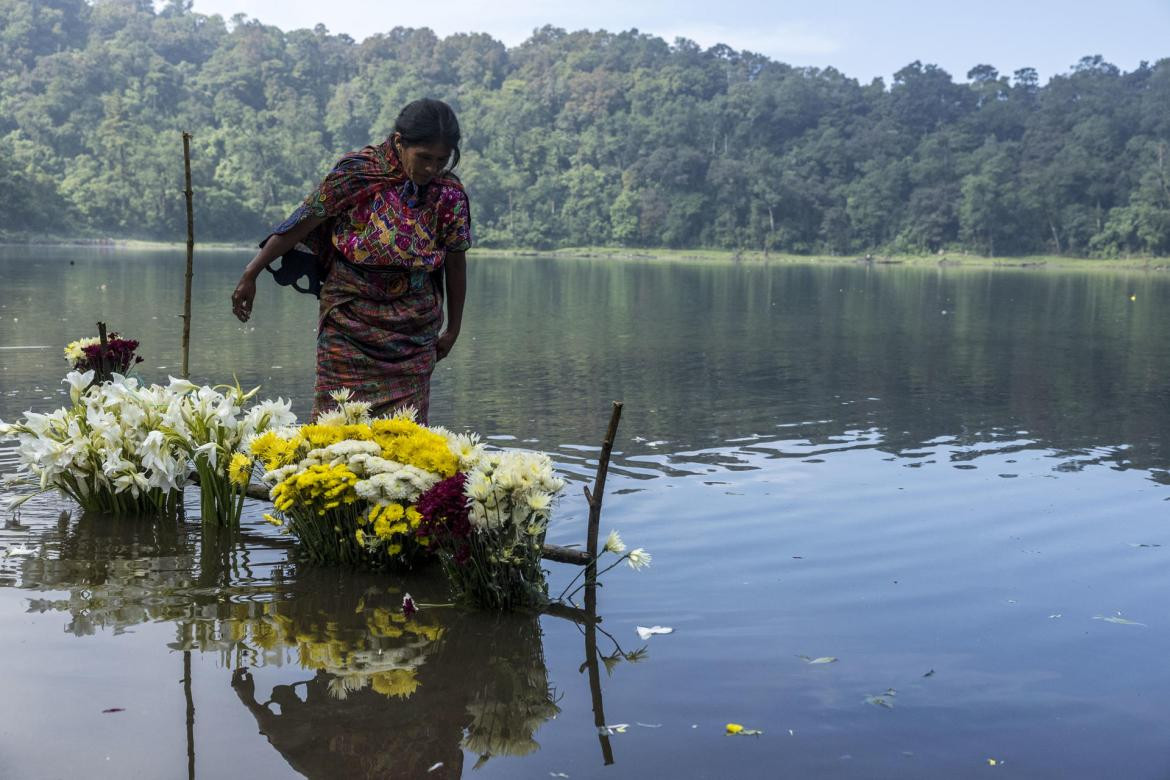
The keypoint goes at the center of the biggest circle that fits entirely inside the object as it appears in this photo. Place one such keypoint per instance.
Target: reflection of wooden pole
(190, 715)
(190, 254)
(597, 494)
(595, 672)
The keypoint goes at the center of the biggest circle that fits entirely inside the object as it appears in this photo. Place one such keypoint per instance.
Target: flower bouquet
(490, 522)
(211, 427)
(346, 486)
(106, 451)
(113, 355)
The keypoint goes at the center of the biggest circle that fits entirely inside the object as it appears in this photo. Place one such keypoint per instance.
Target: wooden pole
(594, 497)
(190, 254)
(102, 369)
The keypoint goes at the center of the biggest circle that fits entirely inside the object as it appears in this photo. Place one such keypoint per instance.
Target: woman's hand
(444, 344)
(243, 296)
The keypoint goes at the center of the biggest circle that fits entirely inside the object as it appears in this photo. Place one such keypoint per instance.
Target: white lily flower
(78, 382)
(210, 450)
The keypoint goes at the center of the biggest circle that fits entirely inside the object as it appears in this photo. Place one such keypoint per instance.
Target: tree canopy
(573, 138)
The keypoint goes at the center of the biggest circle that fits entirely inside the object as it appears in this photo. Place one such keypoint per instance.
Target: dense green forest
(573, 138)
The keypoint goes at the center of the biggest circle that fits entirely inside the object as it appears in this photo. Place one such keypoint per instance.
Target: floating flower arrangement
(369, 492)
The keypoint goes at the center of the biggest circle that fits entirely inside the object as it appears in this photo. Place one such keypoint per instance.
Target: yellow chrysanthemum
(240, 469)
(400, 683)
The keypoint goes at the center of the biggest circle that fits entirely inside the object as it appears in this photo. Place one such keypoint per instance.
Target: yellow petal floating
(734, 728)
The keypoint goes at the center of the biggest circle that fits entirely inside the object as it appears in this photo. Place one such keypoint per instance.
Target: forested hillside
(572, 139)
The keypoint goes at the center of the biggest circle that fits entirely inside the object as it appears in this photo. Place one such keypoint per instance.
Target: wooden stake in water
(595, 496)
(190, 255)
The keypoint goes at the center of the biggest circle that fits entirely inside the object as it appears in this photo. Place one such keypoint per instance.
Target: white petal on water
(645, 633)
(824, 659)
(648, 725)
(617, 728)
(434, 767)
(1119, 620)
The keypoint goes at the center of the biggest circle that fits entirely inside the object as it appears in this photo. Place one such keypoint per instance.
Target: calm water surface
(946, 479)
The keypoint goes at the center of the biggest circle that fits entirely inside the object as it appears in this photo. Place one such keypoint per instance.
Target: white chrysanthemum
(331, 417)
(356, 411)
(614, 543)
(342, 451)
(478, 487)
(638, 559)
(538, 501)
(276, 476)
(341, 396)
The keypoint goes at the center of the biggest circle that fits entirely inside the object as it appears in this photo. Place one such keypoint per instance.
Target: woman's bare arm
(276, 246)
(455, 271)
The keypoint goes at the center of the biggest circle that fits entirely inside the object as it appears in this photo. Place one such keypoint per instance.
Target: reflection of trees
(904, 354)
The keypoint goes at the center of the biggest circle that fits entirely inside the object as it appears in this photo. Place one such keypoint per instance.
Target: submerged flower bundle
(387, 491)
(347, 484)
(492, 537)
(124, 447)
(106, 450)
(212, 427)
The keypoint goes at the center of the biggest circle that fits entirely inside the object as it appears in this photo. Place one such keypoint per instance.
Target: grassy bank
(779, 258)
(701, 256)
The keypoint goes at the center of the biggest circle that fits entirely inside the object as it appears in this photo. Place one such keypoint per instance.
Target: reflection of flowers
(506, 712)
(382, 650)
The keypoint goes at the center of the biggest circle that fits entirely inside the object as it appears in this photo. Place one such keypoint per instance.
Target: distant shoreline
(689, 256)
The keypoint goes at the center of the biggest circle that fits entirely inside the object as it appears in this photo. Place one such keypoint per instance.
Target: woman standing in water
(390, 226)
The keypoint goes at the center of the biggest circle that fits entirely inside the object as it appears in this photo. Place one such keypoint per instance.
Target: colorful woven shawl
(356, 178)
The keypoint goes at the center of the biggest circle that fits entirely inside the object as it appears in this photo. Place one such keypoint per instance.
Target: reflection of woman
(389, 224)
(479, 682)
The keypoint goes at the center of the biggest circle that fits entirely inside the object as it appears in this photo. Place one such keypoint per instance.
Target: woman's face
(422, 162)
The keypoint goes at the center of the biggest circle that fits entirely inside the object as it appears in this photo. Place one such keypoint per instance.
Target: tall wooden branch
(594, 497)
(190, 254)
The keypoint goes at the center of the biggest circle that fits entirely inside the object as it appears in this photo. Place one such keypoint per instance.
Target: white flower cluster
(512, 488)
(121, 437)
(211, 422)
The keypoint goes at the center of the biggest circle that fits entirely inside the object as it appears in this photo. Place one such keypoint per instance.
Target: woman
(390, 224)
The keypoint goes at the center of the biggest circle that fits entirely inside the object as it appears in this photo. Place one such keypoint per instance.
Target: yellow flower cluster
(74, 350)
(389, 521)
(408, 442)
(320, 487)
(276, 452)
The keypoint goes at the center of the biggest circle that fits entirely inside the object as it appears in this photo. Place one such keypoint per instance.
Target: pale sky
(862, 38)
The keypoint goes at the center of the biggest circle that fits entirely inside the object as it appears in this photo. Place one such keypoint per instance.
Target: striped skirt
(376, 337)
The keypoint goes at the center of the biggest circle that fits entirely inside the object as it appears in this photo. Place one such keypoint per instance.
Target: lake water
(952, 481)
